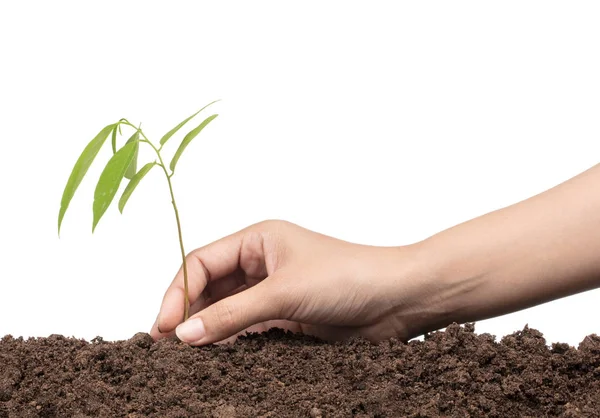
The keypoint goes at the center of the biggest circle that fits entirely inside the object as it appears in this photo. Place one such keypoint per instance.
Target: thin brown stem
(186, 307)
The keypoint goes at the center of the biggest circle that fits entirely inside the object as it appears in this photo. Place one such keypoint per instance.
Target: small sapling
(123, 164)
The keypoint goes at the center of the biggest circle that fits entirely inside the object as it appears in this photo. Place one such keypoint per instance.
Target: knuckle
(271, 225)
(194, 262)
(226, 315)
(192, 258)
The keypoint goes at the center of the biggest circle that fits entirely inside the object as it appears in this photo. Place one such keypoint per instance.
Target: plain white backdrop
(375, 122)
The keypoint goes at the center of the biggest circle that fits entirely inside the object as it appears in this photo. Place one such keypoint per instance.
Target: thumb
(229, 316)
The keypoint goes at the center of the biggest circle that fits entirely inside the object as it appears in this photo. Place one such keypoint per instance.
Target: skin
(277, 274)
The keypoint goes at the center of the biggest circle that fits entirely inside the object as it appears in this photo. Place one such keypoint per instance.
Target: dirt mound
(278, 374)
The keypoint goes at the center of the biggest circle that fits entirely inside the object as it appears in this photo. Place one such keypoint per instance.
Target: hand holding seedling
(123, 164)
(277, 274)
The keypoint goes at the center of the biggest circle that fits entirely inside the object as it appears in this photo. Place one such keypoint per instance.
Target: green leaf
(188, 138)
(133, 166)
(114, 134)
(114, 138)
(135, 180)
(110, 179)
(175, 129)
(80, 169)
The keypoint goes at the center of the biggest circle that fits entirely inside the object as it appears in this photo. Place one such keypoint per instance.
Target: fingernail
(191, 331)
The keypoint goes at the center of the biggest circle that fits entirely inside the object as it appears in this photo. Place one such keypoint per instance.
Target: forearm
(535, 251)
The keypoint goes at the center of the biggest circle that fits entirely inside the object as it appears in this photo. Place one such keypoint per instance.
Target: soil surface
(277, 374)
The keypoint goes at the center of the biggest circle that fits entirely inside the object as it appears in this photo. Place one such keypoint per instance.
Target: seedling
(123, 164)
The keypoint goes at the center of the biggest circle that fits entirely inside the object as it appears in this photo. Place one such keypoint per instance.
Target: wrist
(437, 286)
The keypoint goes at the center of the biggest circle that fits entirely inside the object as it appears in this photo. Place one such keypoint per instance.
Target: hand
(277, 274)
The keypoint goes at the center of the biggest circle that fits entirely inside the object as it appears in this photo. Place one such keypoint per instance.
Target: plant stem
(186, 308)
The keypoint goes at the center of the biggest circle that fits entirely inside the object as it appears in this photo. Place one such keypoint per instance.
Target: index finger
(211, 262)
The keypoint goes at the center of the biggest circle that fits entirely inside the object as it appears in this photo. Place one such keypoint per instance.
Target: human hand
(277, 274)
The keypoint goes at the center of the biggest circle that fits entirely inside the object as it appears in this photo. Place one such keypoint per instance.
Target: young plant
(123, 164)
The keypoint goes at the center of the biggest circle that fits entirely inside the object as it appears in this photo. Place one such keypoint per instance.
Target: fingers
(231, 315)
(239, 257)
(211, 262)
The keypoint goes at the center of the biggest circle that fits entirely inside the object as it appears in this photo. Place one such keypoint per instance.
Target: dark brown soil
(277, 374)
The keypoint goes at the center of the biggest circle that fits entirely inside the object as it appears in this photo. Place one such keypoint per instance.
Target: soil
(277, 374)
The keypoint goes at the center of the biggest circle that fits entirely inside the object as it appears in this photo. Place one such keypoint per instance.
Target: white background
(375, 122)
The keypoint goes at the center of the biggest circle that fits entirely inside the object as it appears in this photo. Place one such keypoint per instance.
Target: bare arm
(535, 251)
